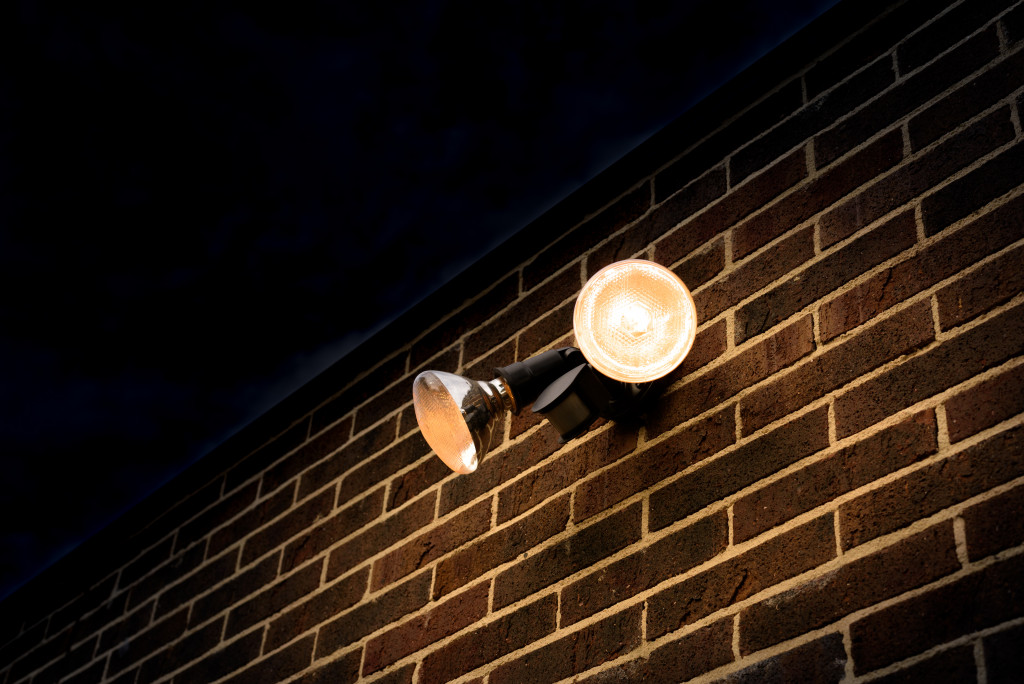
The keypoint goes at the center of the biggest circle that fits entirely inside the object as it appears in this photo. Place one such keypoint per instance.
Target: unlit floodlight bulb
(635, 321)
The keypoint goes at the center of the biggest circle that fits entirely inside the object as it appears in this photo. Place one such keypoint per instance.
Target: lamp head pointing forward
(635, 321)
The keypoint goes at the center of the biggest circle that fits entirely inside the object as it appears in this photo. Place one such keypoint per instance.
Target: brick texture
(830, 483)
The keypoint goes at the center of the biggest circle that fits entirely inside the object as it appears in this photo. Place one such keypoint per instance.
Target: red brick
(257, 462)
(519, 424)
(953, 665)
(234, 590)
(402, 675)
(72, 659)
(378, 468)
(381, 535)
(274, 598)
(327, 603)
(719, 384)
(491, 641)
(278, 666)
(916, 177)
(309, 453)
(483, 368)
(209, 574)
(464, 319)
(1004, 658)
(698, 194)
(512, 319)
(287, 527)
(94, 597)
(431, 545)
(210, 519)
(810, 119)
(122, 630)
(166, 575)
(581, 550)
(652, 465)
(698, 652)
(625, 578)
(565, 470)
(871, 41)
(985, 404)
(923, 492)
(447, 361)
(919, 377)
(700, 267)
(826, 275)
(342, 670)
(976, 293)
(391, 399)
(1013, 24)
(90, 624)
(141, 566)
(899, 334)
(968, 101)
(412, 635)
(821, 661)
(134, 648)
(731, 581)
(730, 473)
(232, 658)
(906, 565)
(408, 486)
(755, 273)
(545, 331)
(849, 468)
(191, 647)
(995, 525)
(256, 517)
(367, 618)
(498, 468)
(708, 345)
(500, 546)
(364, 388)
(974, 190)
(347, 457)
(977, 601)
(335, 528)
(21, 642)
(739, 203)
(94, 674)
(906, 96)
(568, 248)
(600, 642)
(946, 30)
(749, 124)
(932, 264)
(817, 194)
(407, 421)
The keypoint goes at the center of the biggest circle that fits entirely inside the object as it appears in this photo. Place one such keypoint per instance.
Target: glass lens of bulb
(437, 399)
(635, 321)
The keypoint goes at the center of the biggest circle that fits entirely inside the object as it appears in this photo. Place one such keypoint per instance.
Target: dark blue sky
(205, 204)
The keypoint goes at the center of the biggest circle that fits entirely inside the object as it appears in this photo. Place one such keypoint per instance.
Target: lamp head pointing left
(457, 416)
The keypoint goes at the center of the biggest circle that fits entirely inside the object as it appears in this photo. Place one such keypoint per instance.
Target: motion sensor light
(634, 321)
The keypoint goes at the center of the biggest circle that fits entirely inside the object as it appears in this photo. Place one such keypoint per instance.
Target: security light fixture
(635, 322)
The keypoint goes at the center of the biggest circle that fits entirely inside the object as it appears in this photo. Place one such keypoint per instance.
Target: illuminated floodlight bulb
(635, 321)
(457, 415)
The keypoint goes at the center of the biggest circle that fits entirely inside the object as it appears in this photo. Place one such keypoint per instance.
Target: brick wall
(829, 489)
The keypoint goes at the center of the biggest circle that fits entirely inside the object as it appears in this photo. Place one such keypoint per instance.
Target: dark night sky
(205, 204)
